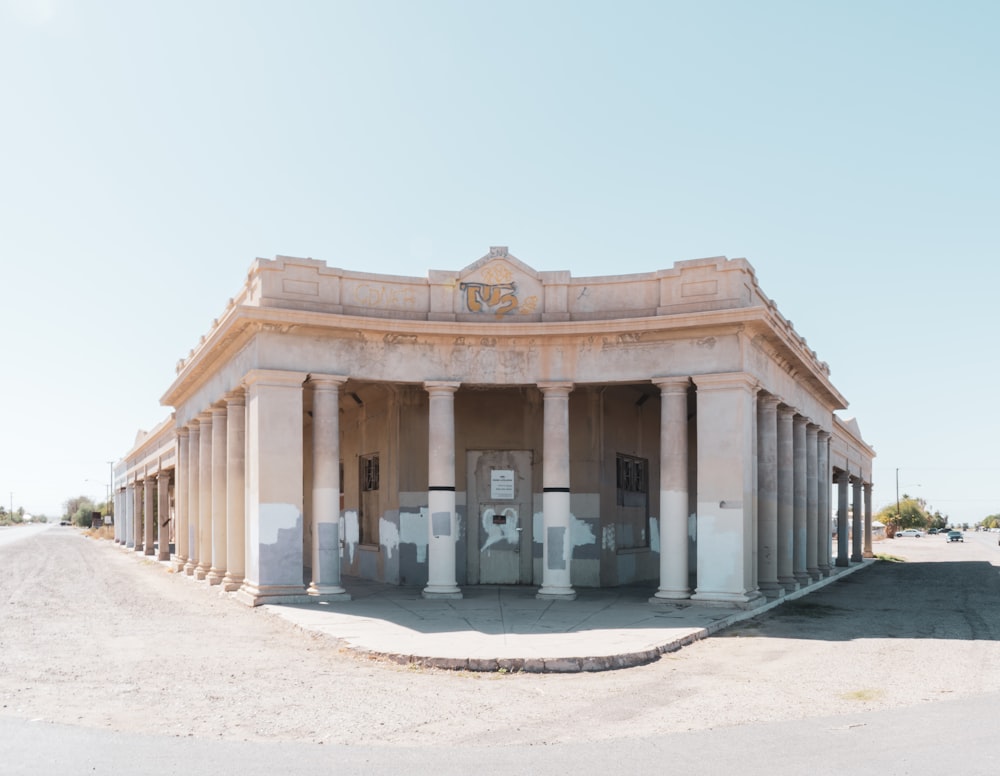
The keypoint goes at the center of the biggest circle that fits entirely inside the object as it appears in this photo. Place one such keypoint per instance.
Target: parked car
(910, 532)
(956, 536)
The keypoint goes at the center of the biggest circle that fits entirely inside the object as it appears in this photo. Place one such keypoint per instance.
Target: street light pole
(111, 489)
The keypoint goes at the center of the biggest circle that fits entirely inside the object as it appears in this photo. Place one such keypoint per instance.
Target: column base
(177, 565)
(328, 593)
(258, 595)
(150, 551)
(441, 591)
(825, 570)
(814, 574)
(189, 568)
(553, 593)
(772, 590)
(857, 557)
(230, 583)
(739, 600)
(802, 577)
(214, 576)
(842, 562)
(790, 584)
(201, 572)
(669, 596)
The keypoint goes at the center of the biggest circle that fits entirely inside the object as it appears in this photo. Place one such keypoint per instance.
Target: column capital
(725, 380)
(556, 388)
(812, 428)
(800, 420)
(163, 475)
(441, 386)
(786, 410)
(672, 384)
(327, 380)
(219, 410)
(823, 435)
(205, 417)
(183, 432)
(841, 476)
(277, 377)
(235, 397)
(768, 400)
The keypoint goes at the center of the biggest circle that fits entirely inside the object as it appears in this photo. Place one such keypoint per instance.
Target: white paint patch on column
(273, 518)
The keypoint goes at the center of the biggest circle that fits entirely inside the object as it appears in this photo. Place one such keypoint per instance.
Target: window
(368, 510)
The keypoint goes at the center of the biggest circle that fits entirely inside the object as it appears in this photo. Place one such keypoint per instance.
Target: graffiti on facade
(383, 296)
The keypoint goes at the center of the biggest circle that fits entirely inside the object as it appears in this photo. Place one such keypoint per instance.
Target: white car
(910, 532)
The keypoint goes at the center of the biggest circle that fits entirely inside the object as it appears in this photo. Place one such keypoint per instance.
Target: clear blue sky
(152, 150)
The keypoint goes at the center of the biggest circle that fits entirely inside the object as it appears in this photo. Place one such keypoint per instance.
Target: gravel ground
(93, 636)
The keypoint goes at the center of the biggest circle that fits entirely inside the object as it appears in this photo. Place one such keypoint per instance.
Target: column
(129, 513)
(841, 478)
(812, 502)
(799, 500)
(857, 531)
(786, 499)
(674, 502)
(149, 517)
(219, 495)
(767, 496)
(326, 489)
(557, 548)
(194, 500)
(119, 518)
(825, 532)
(180, 501)
(868, 521)
(442, 526)
(274, 494)
(204, 495)
(163, 515)
(236, 409)
(727, 485)
(137, 534)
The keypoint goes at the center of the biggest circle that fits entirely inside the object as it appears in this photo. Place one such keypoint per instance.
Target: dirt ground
(93, 636)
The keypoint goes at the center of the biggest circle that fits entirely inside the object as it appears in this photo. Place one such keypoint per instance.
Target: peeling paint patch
(388, 533)
(413, 530)
(275, 517)
(580, 532)
(654, 534)
(608, 538)
(352, 533)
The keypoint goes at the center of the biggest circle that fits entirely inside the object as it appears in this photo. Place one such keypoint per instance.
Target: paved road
(110, 665)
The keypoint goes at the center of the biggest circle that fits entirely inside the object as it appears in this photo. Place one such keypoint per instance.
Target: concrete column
(326, 488)
(799, 488)
(857, 529)
(727, 485)
(557, 547)
(193, 498)
(204, 495)
(137, 534)
(129, 513)
(841, 478)
(148, 518)
(236, 410)
(767, 496)
(219, 495)
(442, 528)
(823, 481)
(786, 499)
(674, 501)
(163, 515)
(274, 502)
(119, 518)
(812, 503)
(868, 521)
(180, 500)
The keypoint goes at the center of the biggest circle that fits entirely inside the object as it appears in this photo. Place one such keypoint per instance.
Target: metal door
(500, 487)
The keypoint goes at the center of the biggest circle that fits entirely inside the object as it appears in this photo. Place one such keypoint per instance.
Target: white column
(236, 410)
(823, 482)
(442, 527)
(119, 518)
(726, 420)
(137, 535)
(786, 499)
(204, 495)
(219, 495)
(193, 499)
(557, 547)
(767, 496)
(274, 566)
(799, 487)
(180, 500)
(868, 521)
(163, 515)
(129, 513)
(841, 478)
(857, 531)
(326, 489)
(812, 503)
(148, 518)
(674, 503)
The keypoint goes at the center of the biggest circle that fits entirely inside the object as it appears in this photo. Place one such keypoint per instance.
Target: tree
(912, 513)
(78, 510)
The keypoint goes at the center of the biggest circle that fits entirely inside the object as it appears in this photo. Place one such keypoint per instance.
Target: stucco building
(500, 425)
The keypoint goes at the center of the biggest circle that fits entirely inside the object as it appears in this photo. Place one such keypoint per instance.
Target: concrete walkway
(494, 628)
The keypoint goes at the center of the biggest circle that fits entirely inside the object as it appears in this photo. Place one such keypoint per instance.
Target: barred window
(369, 473)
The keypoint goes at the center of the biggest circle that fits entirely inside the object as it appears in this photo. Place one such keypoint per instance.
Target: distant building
(500, 425)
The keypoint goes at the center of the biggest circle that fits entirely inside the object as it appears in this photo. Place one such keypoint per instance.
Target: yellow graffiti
(499, 298)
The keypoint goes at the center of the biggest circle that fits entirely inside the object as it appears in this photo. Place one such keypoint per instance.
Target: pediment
(497, 258)
(499, 285)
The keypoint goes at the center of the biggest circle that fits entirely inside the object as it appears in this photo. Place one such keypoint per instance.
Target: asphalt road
(109, 665)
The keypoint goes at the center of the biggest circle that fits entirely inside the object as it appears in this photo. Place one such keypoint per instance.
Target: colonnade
(138, 524)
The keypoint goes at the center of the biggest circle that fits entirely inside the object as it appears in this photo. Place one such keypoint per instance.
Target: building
(499, 425)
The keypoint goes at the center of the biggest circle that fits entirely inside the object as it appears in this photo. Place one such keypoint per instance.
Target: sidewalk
(495, 628)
